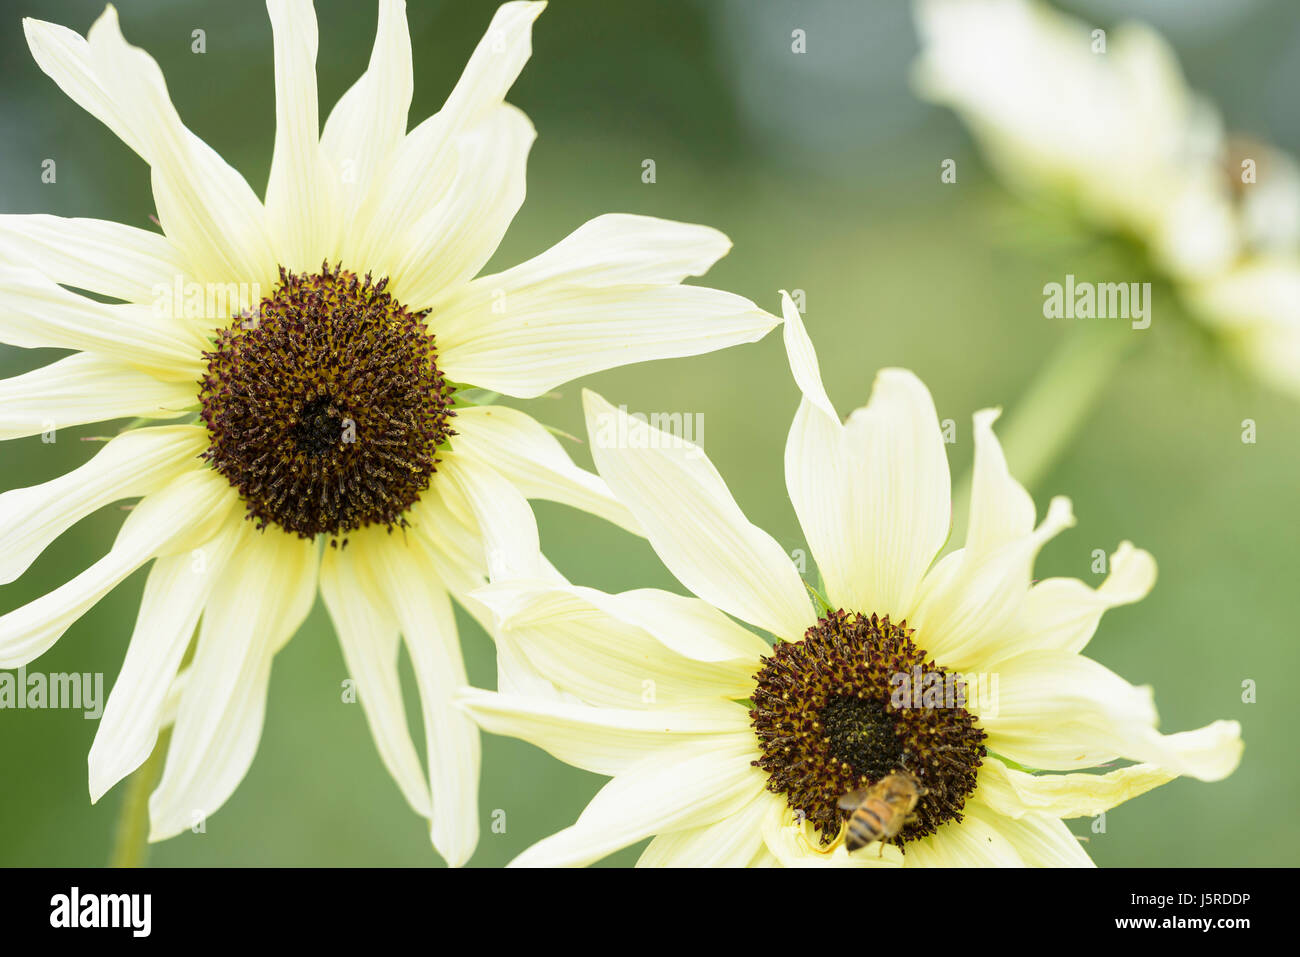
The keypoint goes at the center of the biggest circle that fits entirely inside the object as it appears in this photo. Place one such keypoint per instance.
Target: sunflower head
(325, 408)
(830, 720)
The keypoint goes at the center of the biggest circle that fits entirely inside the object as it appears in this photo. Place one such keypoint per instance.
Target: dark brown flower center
(842, 708)
(325, 408)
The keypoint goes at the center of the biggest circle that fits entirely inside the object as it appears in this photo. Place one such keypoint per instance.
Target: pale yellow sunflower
(321, 352)
(730, 752)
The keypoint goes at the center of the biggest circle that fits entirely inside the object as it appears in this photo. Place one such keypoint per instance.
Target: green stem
(1058, 401)
(131, 842)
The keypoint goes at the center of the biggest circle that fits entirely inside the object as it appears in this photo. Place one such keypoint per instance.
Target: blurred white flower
(731, 752)
(1255, 307)
(1107, 124)
(327, 403)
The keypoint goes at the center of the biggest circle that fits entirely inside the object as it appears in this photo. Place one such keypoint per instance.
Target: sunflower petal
(975, 841)
(137, 462)
(571, 636)
(301, 194)
(368, 636)
(181, 515)
(1059, 711)
(453, 238)
(256, 605)
(605, 296)
(517, 447)
(970, 601)
(175, 594)
(84, 388)
(474, 126)
(603, 740)
(93, 254)
(1015, 793)
(691, 785)
(428, 628)
(694, 524)
(205, 205)
(366, 126)
(732, 842)
(36, 313)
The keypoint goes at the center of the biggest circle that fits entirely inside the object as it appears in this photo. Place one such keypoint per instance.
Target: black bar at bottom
(601, 908)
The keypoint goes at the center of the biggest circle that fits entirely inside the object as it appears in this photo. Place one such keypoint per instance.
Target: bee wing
(850, 801)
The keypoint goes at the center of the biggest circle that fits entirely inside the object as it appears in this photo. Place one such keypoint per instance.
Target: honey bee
(879, 812)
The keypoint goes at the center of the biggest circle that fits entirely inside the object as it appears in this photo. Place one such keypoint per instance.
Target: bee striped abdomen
(867, 824)
(879, 812)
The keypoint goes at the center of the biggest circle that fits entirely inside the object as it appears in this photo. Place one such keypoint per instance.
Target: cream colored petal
(502, 514)
(137, 462)
(975, 841)
(206, 207)
(1001, 510)
(602, 740)
(1045, 842)
(182, 515)
(1059, 711)
(1118, 134)
(427, 163)
(518, 448)
(257, 604)
(92, 254)
(689, 626)
(604, 295)
(691, 785)
(802, 357)
(526, 341)
(694, 524)
(418, 179)
(872, 495)
(451, 241)
(860, 489)
(64, 56)
(424, 614)
(366, 126)
(456, 552)
(302, 209)
(818, 476)
(368, 635)
(620, 249)
(516, 675)
(1255, 306)
(971, 599)
(794, 842)
(898, 511)
(174, 695)
(1063, 613)
(732, 842)
(820, 485)
(36, 313)
(1209, 753)
(456, 556)
(1049, 703)
(83, 388)
(1015, 793)
(569, 636)
(175, 594)
(1042, 841)
(969, 602)
(494, 65)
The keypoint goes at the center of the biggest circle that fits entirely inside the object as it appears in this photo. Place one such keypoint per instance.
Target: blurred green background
(823, 169)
